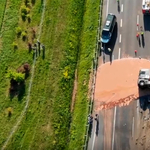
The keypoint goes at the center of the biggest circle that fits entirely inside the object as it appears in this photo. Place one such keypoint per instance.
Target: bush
(33, 2)
(15, 45)
(28, 17)
(26, 2)
(24, 10)
(18, 30)
(24, 35)
(18, 77)
(9, 110)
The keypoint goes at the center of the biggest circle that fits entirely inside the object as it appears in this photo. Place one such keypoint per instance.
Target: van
(108, 28)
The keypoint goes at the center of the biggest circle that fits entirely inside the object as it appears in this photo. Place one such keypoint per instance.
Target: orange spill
(116, 83)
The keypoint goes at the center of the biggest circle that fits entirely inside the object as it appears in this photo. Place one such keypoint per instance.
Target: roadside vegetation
(69, 34)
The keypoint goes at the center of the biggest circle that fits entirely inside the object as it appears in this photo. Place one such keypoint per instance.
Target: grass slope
(87, 49)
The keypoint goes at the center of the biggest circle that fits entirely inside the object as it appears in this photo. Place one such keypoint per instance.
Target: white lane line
(120, 38)
(121, 23)
(122, 8)
(133, 127)
(113, 57)
(137, 21)
(94, 137)
(107, 7)
(113, 134)
(119, 53)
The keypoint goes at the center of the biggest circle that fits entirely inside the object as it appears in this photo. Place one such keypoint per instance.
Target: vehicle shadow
(146, 21)
(144, 99)
(112, 43)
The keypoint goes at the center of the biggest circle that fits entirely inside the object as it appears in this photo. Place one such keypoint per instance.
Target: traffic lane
(129, 28)
(113, 54)
(141, 140)
(99, 132)
(144, 51)
(111, 6)
(123, 128)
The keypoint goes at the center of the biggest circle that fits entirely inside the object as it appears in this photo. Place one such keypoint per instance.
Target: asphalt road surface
(124, 128)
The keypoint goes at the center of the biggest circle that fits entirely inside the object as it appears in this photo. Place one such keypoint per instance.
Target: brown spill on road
(116, 83)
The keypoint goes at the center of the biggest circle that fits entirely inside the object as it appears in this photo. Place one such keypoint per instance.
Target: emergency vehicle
(146, 6)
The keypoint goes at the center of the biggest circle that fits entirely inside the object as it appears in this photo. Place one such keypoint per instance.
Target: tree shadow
(21, 90)
(17, 89)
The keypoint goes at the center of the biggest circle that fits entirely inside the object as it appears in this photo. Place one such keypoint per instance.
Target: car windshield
(105, 34)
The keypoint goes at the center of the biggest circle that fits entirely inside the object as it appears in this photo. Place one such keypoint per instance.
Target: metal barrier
(97, 53)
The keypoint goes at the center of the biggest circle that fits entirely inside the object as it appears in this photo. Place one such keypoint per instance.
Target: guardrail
(95, 65)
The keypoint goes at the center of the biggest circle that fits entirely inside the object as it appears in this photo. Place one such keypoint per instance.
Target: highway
(123, 128)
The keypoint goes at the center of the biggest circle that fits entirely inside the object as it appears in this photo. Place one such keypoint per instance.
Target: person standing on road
(137, 35)
(135, 52)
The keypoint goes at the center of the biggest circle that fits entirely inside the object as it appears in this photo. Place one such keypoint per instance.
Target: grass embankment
(2, 11)
(87, 49)
(8, 60)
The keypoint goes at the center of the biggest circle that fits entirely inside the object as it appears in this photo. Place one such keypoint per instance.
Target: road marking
(107, 7)
(137, 21)
(113, 134)
(113, 57)
(133, 127)
(122, 8)
(121, 23)
(94, 137)
(120, 38)
(119, 53)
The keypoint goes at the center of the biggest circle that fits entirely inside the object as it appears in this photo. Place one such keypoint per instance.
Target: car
(144, 78)
(108, 28)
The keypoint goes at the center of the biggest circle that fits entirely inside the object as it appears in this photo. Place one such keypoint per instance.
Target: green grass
(67, 38)
(2, 11)
(87, 49)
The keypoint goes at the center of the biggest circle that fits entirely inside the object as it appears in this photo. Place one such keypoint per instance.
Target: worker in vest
(142, 33)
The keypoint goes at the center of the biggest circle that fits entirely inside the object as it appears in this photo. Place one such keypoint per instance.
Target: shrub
(23, 15)
(26, 2)
(25, 10)
(28, 17)
(9, 111)
(33, 2)
(15, 45)
(24, 35)
(18, 30)
(18, 77)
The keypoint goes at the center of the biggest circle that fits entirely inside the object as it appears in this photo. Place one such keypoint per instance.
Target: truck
(144, 78)
(146, 7)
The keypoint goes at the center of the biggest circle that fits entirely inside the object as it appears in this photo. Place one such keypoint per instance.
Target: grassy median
(69, 34)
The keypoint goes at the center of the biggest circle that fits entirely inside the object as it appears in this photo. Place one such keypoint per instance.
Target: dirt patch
(74, 91)
(116, 83)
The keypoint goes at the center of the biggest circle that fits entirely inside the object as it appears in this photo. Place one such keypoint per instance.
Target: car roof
(109, 21)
